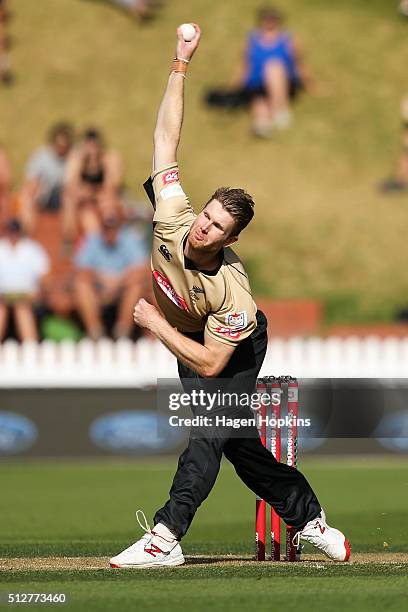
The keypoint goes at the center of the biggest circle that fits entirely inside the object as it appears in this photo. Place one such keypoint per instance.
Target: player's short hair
(238, 203)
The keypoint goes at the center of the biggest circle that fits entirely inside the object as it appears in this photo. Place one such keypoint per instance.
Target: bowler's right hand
(185, 50)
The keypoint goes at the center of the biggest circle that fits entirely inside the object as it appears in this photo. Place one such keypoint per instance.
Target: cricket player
(211, 324)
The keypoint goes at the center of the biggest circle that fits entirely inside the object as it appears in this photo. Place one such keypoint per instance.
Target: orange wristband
(179, 66)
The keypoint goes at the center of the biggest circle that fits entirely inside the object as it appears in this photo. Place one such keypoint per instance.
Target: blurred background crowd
(74, 243)
(74, 254)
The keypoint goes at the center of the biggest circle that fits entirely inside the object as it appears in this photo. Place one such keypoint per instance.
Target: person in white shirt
(23, 265)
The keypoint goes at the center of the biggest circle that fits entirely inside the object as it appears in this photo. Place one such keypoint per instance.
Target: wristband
(179, 66)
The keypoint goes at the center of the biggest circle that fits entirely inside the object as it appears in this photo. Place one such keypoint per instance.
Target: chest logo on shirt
(237, 320)
(172, 176)
(166, 287)
(194, 293)
(163, 250)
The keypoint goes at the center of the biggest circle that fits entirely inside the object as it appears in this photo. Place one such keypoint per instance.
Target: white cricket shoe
(157, 548)
(332, 542)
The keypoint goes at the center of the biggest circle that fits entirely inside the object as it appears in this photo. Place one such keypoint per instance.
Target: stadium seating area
(315, 219)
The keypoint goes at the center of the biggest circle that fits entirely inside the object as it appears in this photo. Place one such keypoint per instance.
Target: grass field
(86, 510)
(322, 230)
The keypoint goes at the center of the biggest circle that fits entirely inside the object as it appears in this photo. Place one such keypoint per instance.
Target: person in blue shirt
(272, 73)
(112, 269)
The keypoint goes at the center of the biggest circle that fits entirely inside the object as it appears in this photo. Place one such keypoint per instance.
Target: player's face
(213, 229)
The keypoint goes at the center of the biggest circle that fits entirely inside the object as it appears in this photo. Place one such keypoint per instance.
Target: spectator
(271, 74)
(5, 186)
(45, 174)
(112, 269)
(23, 265)
(93, 183)
(6, 76)
(140, 9)
(399, 182)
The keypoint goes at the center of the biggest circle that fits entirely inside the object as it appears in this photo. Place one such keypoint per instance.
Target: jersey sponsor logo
(230, 333)
(174, 190)
(163, 250)
(166, 287)
(237, 320)
(172, 176)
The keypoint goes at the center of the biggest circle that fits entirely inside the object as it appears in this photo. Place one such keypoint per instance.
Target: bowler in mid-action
(210, 322)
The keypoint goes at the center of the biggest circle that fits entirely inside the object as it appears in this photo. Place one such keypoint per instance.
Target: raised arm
(170, 115)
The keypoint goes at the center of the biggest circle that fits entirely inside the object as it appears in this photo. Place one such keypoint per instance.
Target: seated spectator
(5, 186)
(6, 76)
(42, 189)
(140, 9)
(23, 265)
(399, 182)
(92, 185)
(112, 269)
(271, 74)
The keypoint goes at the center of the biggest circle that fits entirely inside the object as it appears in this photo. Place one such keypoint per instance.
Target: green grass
(321, 229)
(87, 508)
(265, 588)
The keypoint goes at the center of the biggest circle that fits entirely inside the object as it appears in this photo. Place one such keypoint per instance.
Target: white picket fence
(125, 364)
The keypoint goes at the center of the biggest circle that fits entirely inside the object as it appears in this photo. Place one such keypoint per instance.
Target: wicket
(270, 434)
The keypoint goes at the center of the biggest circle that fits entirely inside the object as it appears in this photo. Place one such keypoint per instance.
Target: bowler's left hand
(145, 314)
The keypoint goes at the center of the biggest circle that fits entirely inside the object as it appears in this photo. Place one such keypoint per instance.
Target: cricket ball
(188, 31)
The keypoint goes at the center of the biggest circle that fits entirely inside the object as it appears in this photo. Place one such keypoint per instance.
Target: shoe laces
(312, 536)
(141, 543)
(150, 536)
(143, 523)
(312, 533)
